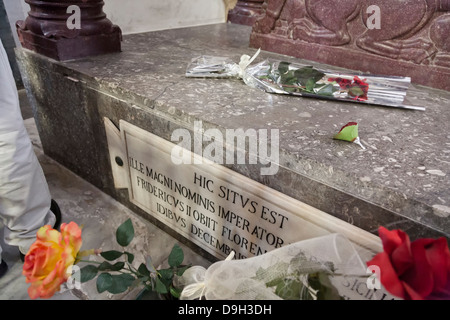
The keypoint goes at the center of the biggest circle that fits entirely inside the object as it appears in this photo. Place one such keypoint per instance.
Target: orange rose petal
(47, 234)
(44, 260)
(72, 235)
(68, 255)
(50, 277)
(33, 292)
(41, 234)
(52, 283)
(46, 263)
(38, 261)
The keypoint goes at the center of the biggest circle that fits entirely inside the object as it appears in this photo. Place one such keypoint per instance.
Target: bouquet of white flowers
(311, 269)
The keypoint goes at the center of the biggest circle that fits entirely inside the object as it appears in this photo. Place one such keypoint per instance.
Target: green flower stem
(350, 275)
(129, 269)
(293, 86)
(86, 261)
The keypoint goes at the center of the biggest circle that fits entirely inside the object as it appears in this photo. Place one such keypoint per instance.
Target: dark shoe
(3, 268)
(57, 212)
(54, 208)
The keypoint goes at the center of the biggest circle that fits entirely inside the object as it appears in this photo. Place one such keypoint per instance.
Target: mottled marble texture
(400, 180)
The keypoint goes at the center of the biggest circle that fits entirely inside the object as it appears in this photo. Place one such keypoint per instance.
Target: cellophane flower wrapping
(290, 272)
(212, 67)
(302, 79)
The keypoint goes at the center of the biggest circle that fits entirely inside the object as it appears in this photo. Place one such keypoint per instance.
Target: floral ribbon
(244, 63)
(196, 276)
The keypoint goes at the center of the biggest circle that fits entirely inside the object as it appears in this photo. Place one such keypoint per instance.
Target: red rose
(413, 271)
(357, 88)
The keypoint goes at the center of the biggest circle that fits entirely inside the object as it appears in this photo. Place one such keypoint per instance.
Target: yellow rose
(49, 257)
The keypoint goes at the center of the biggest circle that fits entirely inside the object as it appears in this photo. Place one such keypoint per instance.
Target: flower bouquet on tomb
(330, 268)
(301, 79)
(55, 259)
(323, 268)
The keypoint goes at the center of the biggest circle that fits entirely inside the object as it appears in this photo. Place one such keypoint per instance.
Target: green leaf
(308, 74)
(111, 255)
(175, 292)
(288, 89)
(88, 273)
(166, 275)
(310, 84)
(289, 289)
(106, 266)
(327, 90)
(283, 67)
(326, 290)
(104, 282)
(349, 132)
(356, 92)
(160, 286)
(181, 270)
(176, 257)
(130, 257)
(273, 274)
(143, 270)
(120, 283)
(289, 78)
(125, 233)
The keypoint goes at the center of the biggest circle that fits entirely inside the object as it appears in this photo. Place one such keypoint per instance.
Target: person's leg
(3, 265)
(24, 195)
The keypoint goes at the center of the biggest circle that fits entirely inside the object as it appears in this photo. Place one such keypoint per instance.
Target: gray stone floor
(100, 215)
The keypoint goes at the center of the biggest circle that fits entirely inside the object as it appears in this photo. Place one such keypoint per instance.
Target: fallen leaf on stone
(349, 132)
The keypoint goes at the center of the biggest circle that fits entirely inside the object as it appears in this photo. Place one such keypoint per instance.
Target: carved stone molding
(46, 30)
(410, 40)
(246, 12)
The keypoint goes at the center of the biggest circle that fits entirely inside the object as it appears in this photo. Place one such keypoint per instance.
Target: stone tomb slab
(399, 181)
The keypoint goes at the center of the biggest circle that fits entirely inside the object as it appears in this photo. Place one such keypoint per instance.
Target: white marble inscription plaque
(216, 208)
